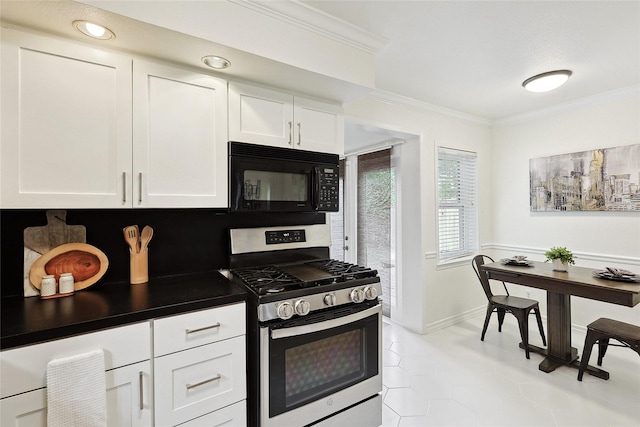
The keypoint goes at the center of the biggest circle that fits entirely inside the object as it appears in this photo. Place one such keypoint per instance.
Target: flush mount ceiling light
(546, 81)
(94, 30)
(217, 62)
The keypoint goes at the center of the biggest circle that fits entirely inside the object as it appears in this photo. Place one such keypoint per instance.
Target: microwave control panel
(329, 189)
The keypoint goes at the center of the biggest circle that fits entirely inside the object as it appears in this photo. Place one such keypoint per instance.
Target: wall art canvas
(604, 179)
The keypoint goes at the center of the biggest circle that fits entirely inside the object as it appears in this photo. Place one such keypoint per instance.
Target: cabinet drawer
(190, 330)
(194, 382)
(25, 368)
(234, 415)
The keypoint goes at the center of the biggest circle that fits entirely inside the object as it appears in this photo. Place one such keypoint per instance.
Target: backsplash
(184, 240)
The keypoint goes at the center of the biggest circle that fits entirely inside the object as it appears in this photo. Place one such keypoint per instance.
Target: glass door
(364, 231)
(376, 220)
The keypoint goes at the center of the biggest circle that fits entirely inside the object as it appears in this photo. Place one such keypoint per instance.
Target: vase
(558, 265)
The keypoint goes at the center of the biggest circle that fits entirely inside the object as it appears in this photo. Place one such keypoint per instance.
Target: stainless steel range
(313, 329)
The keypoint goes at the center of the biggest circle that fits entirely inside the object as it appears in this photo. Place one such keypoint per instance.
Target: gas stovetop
(272, 279)
(285, 291)
(288, 273)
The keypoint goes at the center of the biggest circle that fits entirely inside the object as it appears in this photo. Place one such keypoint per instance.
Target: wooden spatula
(131, 237)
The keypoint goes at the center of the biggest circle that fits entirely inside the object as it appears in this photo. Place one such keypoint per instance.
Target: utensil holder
(139, 267)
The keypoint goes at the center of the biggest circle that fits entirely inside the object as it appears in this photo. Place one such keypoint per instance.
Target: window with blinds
(457, 207)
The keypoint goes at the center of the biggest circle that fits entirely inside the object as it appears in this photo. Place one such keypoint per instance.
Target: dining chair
(601, 331)
(521, 308)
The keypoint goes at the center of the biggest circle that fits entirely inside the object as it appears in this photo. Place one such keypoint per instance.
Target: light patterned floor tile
(451, 378)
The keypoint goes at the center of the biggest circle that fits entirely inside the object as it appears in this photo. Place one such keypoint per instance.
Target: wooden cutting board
(40, 240)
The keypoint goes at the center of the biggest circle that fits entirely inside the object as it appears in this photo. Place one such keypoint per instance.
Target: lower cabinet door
(130, 396)
(126, 387)
(195, 382)
(231, 416)
(27, 409)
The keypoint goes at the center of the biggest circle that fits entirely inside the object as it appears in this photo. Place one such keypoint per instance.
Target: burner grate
(267, 279)
(344, 271)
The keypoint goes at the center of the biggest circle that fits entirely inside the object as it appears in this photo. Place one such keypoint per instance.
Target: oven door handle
(328, 324)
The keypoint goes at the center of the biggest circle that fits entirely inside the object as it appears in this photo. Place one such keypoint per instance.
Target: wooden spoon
(131, 237)
(147, 234)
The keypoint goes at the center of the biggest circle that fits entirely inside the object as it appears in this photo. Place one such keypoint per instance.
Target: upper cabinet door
(180, 138)
(66, 125)
(263, 116)
(260, 116)
(318, 126)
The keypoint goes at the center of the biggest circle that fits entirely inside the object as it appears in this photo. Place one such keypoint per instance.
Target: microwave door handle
(315, 191)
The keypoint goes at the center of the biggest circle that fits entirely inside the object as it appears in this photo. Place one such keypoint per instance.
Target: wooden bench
(601, 331)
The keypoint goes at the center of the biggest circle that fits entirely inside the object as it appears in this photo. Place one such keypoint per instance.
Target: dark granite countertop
(26, 321)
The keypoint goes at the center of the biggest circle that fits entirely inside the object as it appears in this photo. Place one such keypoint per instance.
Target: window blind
(457, 207)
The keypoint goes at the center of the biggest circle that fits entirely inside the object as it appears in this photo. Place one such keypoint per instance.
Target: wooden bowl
(87, 263)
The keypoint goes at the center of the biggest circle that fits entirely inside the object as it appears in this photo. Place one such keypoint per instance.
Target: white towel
(76, 391)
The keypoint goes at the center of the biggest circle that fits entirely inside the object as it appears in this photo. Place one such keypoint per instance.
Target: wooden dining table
(560, 286)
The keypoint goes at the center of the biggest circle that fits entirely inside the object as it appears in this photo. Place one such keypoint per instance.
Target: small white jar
(48, 285)
(66, 283)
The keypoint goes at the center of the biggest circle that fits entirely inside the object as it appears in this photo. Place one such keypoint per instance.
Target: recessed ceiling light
(94, 30)
(546, 81)
(217, 62)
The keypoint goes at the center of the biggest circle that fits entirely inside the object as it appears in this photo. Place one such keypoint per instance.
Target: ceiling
(472, 56)
(466, 56)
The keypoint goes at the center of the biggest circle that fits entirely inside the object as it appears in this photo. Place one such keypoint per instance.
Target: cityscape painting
(605, 179)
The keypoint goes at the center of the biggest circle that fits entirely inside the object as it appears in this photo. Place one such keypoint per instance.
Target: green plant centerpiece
(561, 258)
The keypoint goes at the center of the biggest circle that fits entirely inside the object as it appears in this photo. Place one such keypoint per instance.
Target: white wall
(429, 297)
(597, 238)
(433, 296)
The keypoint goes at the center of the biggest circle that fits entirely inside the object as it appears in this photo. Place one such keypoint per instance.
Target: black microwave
(272, 179)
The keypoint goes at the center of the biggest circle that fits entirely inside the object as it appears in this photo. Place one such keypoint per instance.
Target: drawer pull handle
(191, 331)
(210, 380)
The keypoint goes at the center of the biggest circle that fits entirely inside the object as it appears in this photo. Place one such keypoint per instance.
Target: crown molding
(614, 95)
(303, 16)
(404, 101)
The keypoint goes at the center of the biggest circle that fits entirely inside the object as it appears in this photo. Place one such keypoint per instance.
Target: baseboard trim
(450, 321)
(478, 311)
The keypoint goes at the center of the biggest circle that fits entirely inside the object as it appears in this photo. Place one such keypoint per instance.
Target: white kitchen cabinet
(129, 400)
(230, 416)
(88, 128)
(66, 124)
(200, 367)
(179, 138)
(128, 376)
(264, 116)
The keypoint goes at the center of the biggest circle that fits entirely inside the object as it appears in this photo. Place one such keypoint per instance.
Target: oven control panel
(284, 236)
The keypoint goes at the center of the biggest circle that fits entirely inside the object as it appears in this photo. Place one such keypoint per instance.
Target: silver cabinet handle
(290, 133)
(191, 331)
(124, 187)
(299, 133)
(141, 377)
(140, 188)
(210, 380)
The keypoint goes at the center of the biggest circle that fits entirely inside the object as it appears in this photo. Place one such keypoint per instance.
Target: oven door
(316, 368)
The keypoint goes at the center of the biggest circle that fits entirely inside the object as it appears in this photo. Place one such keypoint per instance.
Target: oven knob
(357, 295)
(370, 293)
(302, 307)
(285, 310)
(330, 299)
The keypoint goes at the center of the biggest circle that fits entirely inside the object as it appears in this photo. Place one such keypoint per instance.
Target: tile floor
(451, 378)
